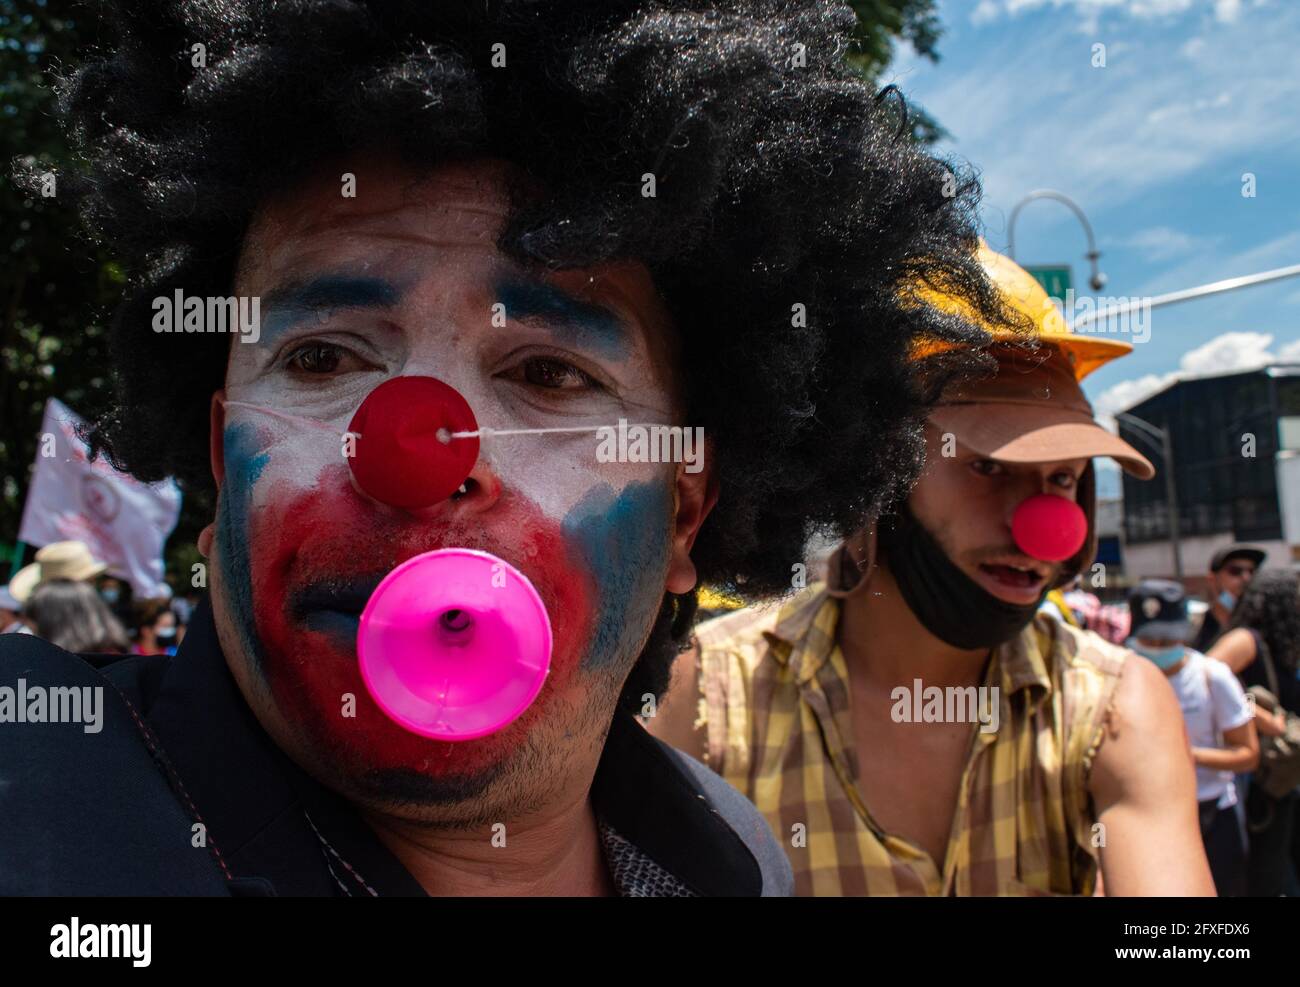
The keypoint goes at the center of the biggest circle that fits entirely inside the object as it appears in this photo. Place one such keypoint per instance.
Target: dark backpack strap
(85, 807)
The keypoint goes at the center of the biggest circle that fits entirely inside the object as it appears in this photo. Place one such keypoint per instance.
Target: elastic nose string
(485, 432)
(443, 435)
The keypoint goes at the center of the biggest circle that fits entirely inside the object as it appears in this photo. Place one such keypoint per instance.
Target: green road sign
(1056, 280)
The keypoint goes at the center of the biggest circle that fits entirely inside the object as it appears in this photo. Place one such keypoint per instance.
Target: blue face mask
(1227, 600)
(1163, 657)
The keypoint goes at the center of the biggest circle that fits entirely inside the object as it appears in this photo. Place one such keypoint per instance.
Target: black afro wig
(791, 217)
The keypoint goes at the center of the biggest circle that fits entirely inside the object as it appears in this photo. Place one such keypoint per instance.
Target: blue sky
(1194, 94)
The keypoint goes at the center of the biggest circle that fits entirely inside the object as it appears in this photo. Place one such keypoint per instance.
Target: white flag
(123, 521)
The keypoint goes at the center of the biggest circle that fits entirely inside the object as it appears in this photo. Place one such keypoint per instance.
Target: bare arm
(1236, 649)
(1269, 724)
(1240, 750)
(674, 719)
(1144, 788)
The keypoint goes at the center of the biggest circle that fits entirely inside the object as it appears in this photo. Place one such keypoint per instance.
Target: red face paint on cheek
(316, 556)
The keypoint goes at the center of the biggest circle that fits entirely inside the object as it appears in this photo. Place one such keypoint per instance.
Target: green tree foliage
(54, 288)
(881, 24)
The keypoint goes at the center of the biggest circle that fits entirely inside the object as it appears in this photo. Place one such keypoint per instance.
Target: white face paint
(406, 280)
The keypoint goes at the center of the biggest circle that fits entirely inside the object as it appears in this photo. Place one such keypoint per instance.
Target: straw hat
(58, 560)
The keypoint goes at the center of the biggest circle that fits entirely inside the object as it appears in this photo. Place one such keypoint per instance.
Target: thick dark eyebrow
(289, 304)
(580, 322)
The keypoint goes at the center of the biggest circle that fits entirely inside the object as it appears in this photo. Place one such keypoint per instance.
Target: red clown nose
(1049, 528)
(405, 455)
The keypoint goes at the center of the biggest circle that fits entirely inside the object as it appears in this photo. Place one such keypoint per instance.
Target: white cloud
(1088, 11)
(1227, 11)
(1163, 242)
(1205, 266)
(1189, 110)
(1229, 352)
(1035, 112)
(1127, 393)
(1157, 8)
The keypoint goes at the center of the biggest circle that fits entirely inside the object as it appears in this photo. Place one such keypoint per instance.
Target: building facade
(1236, 448)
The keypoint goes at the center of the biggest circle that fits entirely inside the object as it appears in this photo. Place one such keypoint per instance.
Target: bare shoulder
(1144, 735)
(1236, 649)
(1143, 697)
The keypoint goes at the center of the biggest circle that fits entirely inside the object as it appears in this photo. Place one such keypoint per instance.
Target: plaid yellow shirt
(775, 700)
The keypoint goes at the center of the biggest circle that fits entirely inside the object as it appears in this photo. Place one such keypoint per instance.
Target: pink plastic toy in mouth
(454, 644)
(1049, 528)
(405, 455)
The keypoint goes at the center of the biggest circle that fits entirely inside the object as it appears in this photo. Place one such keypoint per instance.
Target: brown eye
(1065, 480)
(555, 374)
(986, 467)
(316, 358)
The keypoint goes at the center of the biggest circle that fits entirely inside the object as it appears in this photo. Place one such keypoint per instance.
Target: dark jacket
(181, 792)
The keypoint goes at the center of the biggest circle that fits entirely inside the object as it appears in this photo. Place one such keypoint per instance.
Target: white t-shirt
(1213, 702)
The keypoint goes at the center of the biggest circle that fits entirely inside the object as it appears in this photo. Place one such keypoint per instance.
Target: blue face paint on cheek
(244, 466)
(625, 541)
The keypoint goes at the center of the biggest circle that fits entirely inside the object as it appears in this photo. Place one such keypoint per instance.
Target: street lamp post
(1151, 436)
(1098, 280)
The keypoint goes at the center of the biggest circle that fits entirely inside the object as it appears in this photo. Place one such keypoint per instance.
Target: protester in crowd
(120, 598)
(1078, 758)
(1110, 620)
(1231, 570)
(791, 211)
(66, 560)
(1262, 646)
(1056, 605)
(156, 629)
(11, 611)
(70, 615)
(183, 605)
(1220, 722)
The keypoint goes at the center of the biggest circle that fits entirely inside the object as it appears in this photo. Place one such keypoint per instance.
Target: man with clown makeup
(474, 238)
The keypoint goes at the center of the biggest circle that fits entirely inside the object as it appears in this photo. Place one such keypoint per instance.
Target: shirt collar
(279, 830)
(1018, 664)
(1021, 663)
(792, 639)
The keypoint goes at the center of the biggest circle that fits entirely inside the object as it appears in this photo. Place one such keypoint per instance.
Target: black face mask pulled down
(947, 602)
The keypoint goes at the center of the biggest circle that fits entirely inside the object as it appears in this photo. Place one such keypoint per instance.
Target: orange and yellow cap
(1022, 293)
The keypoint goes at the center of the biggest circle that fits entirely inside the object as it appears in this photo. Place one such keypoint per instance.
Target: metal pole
(1171, 494)
(1098, 280)
(1171, 488)
(1188, 294)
